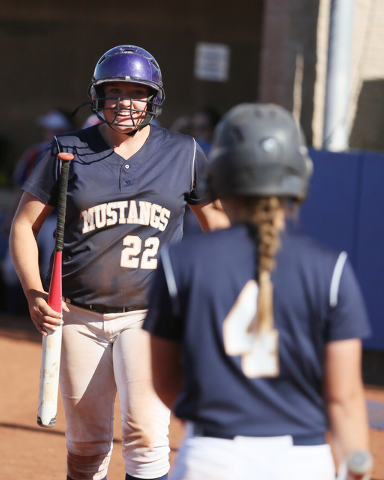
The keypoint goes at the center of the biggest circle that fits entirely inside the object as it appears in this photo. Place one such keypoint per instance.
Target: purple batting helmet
(128, 63)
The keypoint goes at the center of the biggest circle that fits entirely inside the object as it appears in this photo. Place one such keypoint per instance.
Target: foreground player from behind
(129, 183)
(256, 332)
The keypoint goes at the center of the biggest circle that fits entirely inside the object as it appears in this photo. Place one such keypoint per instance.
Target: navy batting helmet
(128, 63)
(259, 150)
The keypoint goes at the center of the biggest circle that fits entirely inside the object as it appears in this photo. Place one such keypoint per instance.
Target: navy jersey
(119, 212)
(316, 300)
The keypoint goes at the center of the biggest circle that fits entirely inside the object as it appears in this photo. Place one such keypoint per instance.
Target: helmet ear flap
(97, 96)
(309, 166)
(152, 96)
(91, 90)
(304, 152)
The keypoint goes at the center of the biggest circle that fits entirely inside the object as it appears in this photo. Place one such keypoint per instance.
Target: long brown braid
(267, 241)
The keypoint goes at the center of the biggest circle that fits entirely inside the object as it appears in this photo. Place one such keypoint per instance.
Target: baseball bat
(50, 358)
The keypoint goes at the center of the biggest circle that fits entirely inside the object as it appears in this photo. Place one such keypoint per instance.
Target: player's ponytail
(266, 237)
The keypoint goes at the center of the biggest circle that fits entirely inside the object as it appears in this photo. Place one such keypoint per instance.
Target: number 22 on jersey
(130, 256)
(258, 348)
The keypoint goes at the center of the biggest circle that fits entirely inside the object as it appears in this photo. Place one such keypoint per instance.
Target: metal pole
(336, 130)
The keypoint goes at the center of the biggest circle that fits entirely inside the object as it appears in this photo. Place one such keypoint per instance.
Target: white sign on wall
(212, 62)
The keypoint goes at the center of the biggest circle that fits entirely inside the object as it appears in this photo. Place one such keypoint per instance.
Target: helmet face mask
(127, 63)
(259, 150)
(149, 112)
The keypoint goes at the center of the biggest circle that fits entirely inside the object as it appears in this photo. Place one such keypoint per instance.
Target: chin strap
(78, 108)
(133, 133)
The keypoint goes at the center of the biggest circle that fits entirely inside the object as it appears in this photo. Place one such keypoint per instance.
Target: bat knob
(66, 156)
(52, 423)
(356, 466)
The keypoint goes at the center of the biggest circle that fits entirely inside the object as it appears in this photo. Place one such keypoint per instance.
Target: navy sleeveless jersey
(316, 300)
(119, 212)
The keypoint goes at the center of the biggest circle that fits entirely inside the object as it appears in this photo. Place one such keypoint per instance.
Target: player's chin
(126, 126)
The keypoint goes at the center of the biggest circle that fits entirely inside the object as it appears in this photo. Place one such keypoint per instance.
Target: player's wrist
(33, 295)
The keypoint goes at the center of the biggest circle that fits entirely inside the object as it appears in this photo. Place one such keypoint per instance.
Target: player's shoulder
(309, 253)
(297, 241)
(174, 137)
(84, 136)
(86, 144)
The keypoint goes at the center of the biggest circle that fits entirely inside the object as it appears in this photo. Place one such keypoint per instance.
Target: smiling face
(125, 104)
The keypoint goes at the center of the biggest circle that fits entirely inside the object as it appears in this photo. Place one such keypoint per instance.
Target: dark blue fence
(345, 210)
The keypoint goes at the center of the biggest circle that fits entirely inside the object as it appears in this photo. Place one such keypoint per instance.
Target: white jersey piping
(57, 143)
(58, 148)
(193, 163)
(170, 279)
(335, 282)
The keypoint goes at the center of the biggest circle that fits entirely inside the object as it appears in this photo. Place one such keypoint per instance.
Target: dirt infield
(34, 453)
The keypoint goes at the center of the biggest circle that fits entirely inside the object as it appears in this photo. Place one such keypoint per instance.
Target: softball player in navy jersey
(258, 359)
(129, 183)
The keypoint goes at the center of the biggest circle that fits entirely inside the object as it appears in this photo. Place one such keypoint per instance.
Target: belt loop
(189, 428)
(198, 430)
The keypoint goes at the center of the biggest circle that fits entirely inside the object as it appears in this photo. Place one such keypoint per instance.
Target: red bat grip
(62, 201)
(54, 295)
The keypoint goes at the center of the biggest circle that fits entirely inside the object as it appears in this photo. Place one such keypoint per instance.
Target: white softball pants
(103, 354)
(251, 458)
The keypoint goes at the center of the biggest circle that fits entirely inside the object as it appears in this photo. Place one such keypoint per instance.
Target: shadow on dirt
(18, 327)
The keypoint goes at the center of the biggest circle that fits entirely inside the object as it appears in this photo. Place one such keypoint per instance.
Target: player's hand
(42, 315)
(64, 306)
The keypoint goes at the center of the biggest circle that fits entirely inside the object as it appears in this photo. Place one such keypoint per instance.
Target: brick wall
(289, 57)
(367, 93)
(295, 38)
